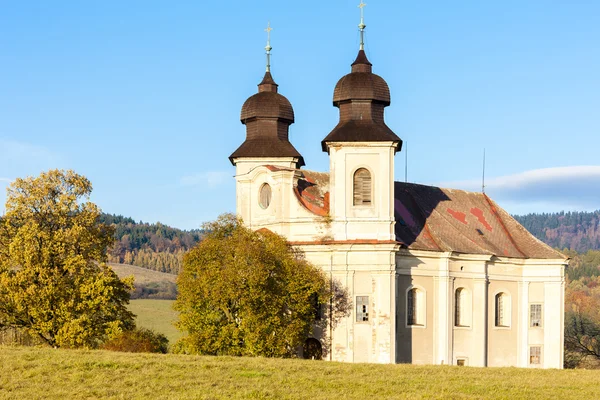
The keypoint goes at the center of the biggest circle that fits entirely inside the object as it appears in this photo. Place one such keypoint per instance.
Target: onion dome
(361, 84)
(267, 116)
(361, 97)
(267, 103)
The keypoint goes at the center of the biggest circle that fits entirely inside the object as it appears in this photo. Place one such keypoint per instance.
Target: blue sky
(143, 97)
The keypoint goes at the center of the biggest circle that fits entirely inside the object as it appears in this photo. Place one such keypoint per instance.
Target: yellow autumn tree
(54, 284)
(248, 293)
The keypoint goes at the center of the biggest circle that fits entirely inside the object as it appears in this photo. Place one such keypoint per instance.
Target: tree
(53, 282)
(249, 293)
(582, 321)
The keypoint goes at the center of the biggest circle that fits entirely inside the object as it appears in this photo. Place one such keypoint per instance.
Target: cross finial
(362, 25)
(268, 47)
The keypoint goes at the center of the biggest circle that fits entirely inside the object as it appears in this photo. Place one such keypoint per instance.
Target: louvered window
(362, 187)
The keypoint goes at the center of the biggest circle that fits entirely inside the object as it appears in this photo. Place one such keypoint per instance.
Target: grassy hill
(142, 275)
(148, 284)
(29, 373)
(157, 315)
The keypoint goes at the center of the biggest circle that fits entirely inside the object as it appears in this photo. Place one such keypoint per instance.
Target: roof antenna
(483, 176)
(406, 162)
(362, 25)
(268, 47)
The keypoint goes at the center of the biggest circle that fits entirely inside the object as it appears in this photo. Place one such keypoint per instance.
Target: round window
(265, 195)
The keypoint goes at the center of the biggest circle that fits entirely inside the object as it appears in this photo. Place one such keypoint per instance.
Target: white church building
(436, 276)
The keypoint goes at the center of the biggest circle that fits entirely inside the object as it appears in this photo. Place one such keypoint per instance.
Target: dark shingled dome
(267, 116)
(267, 105)
(361, 97)
(361, 84)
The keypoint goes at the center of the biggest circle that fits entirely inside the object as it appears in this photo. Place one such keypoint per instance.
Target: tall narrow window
(461, 307)
(535, 315)
(415, 314)
(502, 310)
(362, 308)
(362, 187)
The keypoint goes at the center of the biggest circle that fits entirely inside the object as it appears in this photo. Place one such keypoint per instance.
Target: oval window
(265, 195)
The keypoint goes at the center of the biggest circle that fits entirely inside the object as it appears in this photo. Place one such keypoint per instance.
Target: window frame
(506, 310)
(420, 319)
(371, 188)
(269, 200)
(541, 316)
(364, 314)
(539, 356)
(463, 308)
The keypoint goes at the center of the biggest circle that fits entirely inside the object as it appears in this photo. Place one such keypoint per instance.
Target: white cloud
(569, 188)
(210, 179)
(6, 180)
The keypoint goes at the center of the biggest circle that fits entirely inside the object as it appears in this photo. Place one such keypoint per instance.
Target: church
(435, 275)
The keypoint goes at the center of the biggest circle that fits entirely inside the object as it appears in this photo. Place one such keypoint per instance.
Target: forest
(154, 246)
(579, 231)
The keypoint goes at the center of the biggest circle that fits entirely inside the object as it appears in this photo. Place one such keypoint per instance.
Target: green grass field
(34, 373)
(157, 315)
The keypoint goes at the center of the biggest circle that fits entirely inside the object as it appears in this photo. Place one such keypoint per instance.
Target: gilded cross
(268, 30)
(268, 47)
(361, 6)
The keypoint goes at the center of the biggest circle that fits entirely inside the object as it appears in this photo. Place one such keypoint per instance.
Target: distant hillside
(148, 284)
(154, 246)
(579, 231)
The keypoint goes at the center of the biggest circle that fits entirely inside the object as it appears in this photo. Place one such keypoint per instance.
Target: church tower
(267, 116)
(361, 155)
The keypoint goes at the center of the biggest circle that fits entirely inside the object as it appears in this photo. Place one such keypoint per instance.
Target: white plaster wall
(365, 270)
(375, 221)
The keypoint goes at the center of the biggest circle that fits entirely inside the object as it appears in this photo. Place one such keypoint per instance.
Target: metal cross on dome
(268, 47)
(362, 25)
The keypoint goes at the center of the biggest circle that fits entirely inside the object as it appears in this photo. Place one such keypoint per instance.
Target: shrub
(139, 340)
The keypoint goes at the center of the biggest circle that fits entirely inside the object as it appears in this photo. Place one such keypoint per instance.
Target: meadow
(30, 373)
(157, 315)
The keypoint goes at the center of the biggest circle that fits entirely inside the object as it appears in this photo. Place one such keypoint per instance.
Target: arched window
(462, 307)
(362, 187)
(415, 307)
(502, 302)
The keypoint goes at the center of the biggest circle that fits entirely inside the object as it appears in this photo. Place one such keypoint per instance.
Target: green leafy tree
(249, 293)
(53, 282)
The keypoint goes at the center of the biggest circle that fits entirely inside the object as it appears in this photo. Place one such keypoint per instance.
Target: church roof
(312, 190)
(436, 219)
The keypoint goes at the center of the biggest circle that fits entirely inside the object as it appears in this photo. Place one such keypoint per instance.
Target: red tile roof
(436, 219)
(312, 190)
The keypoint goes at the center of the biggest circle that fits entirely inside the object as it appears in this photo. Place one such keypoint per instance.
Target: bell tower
(361, 155)
(267, 116)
